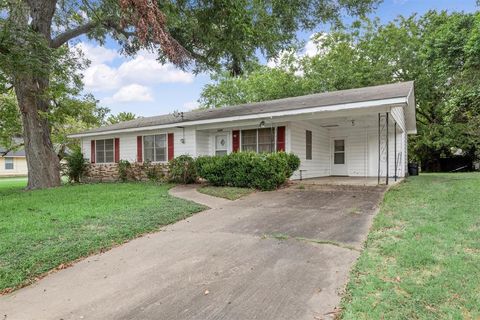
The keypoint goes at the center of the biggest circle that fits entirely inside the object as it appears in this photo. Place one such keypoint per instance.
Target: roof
(382, 92)
(18, 153)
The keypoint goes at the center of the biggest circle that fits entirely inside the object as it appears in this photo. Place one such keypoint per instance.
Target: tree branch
(72, 33)
(5, 152)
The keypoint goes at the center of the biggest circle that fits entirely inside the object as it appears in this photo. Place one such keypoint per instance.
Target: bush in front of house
(124, 167)
(76, 165)
(264, 171)
(182, 169)
(154, 171)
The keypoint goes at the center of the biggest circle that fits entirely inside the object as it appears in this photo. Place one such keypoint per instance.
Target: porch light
(262, 124)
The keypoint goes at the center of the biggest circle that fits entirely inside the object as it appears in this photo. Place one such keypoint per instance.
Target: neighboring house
(340, 133)
(13, 163)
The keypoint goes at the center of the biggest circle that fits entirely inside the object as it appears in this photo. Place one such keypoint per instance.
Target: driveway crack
(281, 236)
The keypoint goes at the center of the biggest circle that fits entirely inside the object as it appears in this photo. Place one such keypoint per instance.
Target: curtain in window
(265, 139)
(155, 148)
(249, 140)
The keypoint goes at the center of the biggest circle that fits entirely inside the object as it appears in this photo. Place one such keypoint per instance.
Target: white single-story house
(358, 132)
(13, 163)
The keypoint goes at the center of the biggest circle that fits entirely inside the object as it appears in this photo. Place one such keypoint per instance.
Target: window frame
(273, 143)
(105, 151)
(308, 146)
(155, 160)
(12, 159)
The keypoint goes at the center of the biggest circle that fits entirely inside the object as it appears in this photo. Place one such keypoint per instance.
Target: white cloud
(97, 54)
(312, 47)
(143, 69)
(190, 105)
(131, 93)
(101, 77)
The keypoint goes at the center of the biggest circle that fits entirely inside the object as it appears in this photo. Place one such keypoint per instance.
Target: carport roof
(375, 93)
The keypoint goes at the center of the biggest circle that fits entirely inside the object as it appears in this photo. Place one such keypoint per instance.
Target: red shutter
(139, 149)
(280, 138)
(236, 140)
(117, 150)
(92, 151)
(170, 147)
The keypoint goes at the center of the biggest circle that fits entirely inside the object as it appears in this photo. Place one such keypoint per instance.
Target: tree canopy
(121, 117)
(201, 35)
(439, 50)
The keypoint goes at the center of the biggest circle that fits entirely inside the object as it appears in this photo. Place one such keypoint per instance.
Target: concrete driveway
(272, 255)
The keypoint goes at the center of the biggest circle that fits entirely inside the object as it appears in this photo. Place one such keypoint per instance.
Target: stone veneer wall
(99, 172)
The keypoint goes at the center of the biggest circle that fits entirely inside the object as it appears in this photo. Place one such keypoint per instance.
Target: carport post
(386, 175)
(378, 171)
(395, 147)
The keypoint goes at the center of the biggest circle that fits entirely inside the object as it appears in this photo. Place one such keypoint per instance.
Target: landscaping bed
(41, 230)
(422, 256)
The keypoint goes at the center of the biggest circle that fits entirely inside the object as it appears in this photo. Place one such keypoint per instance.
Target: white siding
(203, 143)
(398, 114)
(128, 142)
(355, 148)
(19, 167)
(361, 144)
(296, 142)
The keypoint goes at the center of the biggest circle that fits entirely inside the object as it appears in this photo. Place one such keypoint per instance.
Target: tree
(440, 51)
(68, 115)
(121, 117)
(209, 34)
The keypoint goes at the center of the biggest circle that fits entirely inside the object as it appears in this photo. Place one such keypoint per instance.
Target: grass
(13, 183)
(40, 230)
(230, 193)
(422, 256)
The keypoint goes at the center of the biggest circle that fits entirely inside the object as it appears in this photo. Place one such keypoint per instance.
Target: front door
(339, 158)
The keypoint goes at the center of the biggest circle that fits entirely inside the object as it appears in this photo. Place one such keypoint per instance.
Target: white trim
(335, 107)
(154, 149)
(411, 131)
(104, 151)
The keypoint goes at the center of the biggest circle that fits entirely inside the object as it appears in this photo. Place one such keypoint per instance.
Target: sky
(145, 87)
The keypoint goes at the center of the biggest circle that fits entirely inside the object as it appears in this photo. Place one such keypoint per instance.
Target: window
(104, 150)
(265, 140)
(339, 152)
(155, 148)
(221, 145)
(308, 140)
(258, 140)
(8, 163)
(249, 140)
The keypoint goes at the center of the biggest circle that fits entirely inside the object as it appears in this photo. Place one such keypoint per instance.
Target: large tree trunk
(42, 161)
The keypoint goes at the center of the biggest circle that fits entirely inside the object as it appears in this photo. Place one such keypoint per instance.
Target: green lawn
(16, 183)
(40, 230)
(230, 193)
(422, 256)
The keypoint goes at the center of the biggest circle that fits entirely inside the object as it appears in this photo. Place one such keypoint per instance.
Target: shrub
(76, 165)
(153, 171)
(124, 168)
(182, 170)
(265, 171)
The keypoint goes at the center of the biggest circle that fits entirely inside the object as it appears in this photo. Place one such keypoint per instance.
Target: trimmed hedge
(264, 171)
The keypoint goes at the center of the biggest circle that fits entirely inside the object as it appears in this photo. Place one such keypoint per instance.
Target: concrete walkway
(271, 255)
(189, 192)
